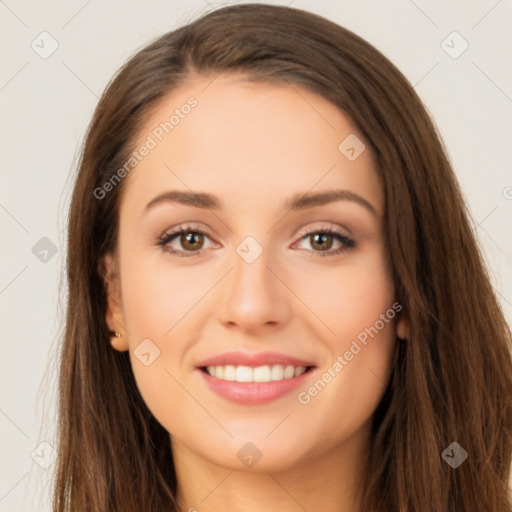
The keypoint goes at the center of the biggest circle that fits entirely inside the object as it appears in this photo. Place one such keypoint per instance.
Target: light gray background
(47, 103)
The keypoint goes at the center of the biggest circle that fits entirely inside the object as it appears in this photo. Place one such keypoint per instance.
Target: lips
(254, 378)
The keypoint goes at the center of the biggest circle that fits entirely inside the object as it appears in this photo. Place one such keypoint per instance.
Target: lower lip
(253, 393)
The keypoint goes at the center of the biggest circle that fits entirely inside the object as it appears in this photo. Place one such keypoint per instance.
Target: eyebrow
(297, 202)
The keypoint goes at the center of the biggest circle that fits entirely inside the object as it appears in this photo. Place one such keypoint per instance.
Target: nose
(253, 296)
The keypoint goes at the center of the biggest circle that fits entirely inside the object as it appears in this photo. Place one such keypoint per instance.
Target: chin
(259, 455)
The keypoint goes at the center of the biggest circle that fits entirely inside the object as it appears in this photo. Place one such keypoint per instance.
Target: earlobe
(114, 317)
(118, 341)
(402, 327)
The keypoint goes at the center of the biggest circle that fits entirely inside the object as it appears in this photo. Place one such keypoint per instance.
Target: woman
(276, 301)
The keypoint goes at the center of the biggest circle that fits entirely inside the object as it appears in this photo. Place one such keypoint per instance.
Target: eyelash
(166, 238)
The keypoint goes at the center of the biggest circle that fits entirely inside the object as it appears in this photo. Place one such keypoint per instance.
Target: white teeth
(299, 371)
(229, 373)
(265, 373)
(244, 374)
(277, 373)
(289, 372)
(261, 374)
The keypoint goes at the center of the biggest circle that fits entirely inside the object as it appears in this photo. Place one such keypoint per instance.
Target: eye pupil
(321, 244)
(189, 238)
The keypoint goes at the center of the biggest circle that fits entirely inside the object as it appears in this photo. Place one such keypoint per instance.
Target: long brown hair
(452, 381)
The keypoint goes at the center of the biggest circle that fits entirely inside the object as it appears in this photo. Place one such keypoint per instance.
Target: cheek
(346, 393)
(358, 323)
(158, 295)
(348, 298)
(157, 301)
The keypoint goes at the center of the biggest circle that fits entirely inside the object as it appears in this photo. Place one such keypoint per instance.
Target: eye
(191, 239)
(323, 239)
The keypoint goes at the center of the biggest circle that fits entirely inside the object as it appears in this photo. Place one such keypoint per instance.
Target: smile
(265, 373)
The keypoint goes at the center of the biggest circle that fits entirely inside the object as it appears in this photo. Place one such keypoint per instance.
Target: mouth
(260, 374)
(253, 379)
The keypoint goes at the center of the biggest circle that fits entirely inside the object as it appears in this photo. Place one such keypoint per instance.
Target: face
(254, 313)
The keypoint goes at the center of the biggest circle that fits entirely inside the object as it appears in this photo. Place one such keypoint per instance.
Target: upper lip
(237, 358)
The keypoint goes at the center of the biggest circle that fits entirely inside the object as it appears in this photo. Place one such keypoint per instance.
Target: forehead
(250, 139)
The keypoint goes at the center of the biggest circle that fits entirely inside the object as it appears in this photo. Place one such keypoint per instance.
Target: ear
(114, 316)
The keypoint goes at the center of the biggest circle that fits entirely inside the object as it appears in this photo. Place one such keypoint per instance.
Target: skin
(254, 146)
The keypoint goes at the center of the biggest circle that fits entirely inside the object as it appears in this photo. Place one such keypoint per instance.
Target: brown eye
(327, 242)
(184, 241)
(321, 241)
(192, 240)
